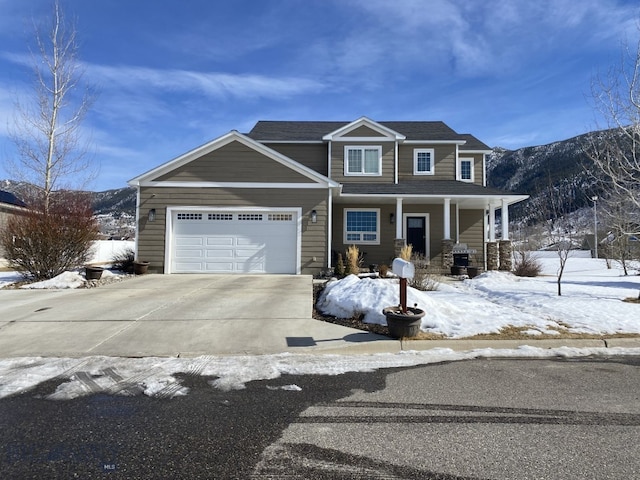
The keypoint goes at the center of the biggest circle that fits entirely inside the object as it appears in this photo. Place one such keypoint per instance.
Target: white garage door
(234, 242)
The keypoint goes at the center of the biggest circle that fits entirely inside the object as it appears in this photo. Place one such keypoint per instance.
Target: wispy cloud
(476, 39)
(210, 84)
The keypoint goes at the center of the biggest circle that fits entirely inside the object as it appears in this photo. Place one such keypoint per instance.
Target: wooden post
(403, 294)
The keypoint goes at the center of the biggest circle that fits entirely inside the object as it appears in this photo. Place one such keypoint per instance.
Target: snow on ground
(157, 377)
(590, 302)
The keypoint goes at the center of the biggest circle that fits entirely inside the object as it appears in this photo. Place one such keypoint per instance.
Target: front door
(417, 234)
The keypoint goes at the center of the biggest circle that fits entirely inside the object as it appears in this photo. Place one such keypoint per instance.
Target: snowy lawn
(591, 301)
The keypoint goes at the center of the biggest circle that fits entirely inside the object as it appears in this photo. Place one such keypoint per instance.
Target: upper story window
(423, 161)
(466, 169)
(362, 160)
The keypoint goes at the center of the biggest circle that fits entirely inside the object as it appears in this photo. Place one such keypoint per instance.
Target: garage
(234, 241)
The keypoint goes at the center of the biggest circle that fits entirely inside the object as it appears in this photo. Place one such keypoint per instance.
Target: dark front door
(416, 234)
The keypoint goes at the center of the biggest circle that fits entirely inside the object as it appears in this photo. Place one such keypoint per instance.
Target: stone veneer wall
(447, 255)
(493, 259)
(506, 255)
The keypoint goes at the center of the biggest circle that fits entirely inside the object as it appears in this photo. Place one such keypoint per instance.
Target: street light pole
(595, 225)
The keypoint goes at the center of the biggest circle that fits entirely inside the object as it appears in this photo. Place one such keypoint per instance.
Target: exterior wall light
(392, 218)
(152, 215)
(314, 216)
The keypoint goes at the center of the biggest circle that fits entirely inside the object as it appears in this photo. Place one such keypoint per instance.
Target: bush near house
(526, 265)
(44, 242)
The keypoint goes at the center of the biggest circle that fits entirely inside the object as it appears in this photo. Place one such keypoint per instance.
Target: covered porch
(444, 228)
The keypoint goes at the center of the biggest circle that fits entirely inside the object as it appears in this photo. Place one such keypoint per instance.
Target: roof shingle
(307, 131)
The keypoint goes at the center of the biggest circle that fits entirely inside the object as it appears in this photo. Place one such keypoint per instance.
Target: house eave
(174, 184)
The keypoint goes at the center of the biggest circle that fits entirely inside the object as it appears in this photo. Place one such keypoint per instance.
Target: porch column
(505, 220)
(492, 223)
(398, 218)
(447, 219)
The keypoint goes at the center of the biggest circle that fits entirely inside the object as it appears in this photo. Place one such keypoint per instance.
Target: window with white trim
(362, 225)
(363, 160)
(423, 161)
(466, 169)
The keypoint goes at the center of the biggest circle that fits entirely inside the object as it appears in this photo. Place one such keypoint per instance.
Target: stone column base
(493, 259)
(447, 255)
(506, 255)
(398, 245)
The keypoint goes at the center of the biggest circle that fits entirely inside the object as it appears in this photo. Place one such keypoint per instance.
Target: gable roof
(219, 142)
(473, 144)
(310, 131)
(364, 122)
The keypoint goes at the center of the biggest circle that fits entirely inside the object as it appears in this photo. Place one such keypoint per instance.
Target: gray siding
(234, 162)
(312, 155)
(362, 131)
(471, 232)
(151, 235)
(445, 162)
(388, 163)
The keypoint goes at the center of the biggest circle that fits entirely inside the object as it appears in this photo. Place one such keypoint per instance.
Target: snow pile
(591, 301)
(65, 280)
(157, 377)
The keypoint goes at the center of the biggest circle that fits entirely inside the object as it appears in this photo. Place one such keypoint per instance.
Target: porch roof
(429, 191)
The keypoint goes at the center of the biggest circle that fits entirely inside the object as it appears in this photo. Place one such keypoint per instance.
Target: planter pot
(140, 268)
(472, 272)
(403, 325)
(93, 273)
(458, 270)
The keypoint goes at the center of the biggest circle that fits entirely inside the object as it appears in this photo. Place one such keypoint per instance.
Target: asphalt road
(480, 419)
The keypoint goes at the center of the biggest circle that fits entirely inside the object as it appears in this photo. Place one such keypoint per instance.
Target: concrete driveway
(175, 315)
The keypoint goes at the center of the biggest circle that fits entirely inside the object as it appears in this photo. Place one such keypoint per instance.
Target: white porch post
(398, 218)
(447, 219)
(457, 222)
(505, 220)
(492, 223)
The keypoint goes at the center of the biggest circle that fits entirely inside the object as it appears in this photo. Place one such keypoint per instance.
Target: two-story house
(287, 196)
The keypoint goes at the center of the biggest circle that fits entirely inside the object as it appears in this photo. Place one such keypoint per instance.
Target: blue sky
(174, 74)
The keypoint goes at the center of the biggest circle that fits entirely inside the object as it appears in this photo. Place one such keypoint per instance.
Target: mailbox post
(405, 270)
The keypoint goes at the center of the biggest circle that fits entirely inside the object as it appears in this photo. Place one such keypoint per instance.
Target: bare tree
(615, 151)
(552, 210)
(46, 128)
(58, 230)
(620, 218)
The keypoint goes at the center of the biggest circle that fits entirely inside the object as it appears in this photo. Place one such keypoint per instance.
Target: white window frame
(361, 242)
(430, 151)
(471, 161)
(362, 173)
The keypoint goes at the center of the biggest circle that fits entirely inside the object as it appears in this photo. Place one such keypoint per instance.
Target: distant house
(9, 205)
(287, 196)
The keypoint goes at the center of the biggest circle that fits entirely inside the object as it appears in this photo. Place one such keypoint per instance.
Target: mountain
(119, 200)
(564, 165)
(116, 201)
(115, 209)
